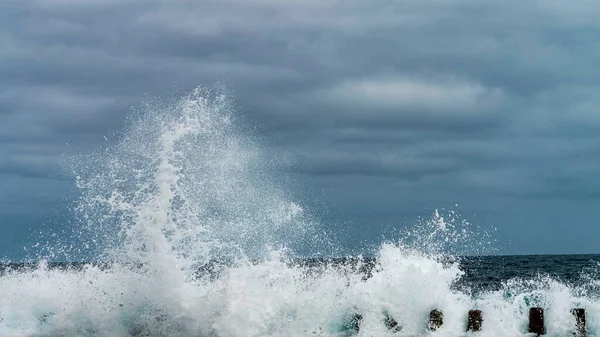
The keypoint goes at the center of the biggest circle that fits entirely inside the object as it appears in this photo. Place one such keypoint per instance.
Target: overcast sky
(392, 108)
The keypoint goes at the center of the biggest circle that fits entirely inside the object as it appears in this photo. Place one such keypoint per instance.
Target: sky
(392, 108)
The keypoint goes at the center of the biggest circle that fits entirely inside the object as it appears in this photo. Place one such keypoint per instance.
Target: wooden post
(436, 319)
(536, 321)
(391, 323)
(580, 329)
(355, 322)
(475, 320)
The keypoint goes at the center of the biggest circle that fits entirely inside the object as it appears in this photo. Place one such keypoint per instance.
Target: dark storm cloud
(424, 101)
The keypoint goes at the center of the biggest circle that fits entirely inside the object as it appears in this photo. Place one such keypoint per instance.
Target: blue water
(491, 272)
(481, 273)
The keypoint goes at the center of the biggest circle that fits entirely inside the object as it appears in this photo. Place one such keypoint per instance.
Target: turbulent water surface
(196, 239)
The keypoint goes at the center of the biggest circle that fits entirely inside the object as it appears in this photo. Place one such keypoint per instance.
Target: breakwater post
(536, 321)
(391, 323)
(580, 329)
(355, 321)
(475, 320)
(436, 319)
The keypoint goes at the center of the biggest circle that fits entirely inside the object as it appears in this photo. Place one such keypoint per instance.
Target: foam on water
(183, 187)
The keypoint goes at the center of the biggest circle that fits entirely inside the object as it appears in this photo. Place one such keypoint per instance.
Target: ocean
(308, 297)
(479, 274)
(196, 238)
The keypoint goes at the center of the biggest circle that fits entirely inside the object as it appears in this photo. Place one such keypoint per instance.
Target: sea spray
(182, 181)
(182, 210)
(447, 233)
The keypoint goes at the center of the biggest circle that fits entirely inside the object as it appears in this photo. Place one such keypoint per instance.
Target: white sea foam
(183, 187)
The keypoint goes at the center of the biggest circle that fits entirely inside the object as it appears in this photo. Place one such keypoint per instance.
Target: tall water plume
(183, 185)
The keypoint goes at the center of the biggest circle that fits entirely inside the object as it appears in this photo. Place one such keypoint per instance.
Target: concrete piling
(355, 322)
(580, 329)
(391, 323)
(475, 320)
(436, 319)
(536, 321)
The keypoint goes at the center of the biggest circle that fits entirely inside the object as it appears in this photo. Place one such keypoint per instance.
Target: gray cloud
(431, 103)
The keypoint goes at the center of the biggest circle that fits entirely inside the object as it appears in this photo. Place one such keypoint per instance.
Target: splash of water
(448, 233)
(183, 184)
(182, 187)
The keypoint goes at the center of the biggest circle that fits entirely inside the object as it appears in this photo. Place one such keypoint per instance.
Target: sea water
(189, 235)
